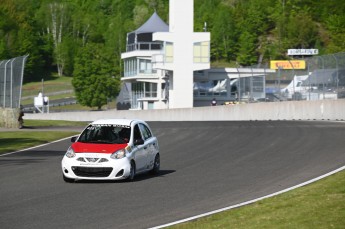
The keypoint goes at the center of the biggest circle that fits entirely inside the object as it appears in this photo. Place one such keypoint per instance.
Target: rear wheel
(156, 165)
(131, 172)
(66, 179)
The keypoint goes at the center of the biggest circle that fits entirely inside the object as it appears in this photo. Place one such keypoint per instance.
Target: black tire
(132, 172)
(66, 179)
(156, 165)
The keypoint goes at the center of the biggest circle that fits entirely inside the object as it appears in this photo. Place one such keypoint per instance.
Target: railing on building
(144, 46)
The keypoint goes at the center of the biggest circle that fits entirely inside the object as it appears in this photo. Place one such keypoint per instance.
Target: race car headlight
(119, 154)
(70, 153)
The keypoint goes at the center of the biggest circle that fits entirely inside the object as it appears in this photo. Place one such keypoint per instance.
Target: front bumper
(80, 168)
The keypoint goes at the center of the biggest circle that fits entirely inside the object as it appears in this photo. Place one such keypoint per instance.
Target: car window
(111, 134)
(137, 134)
(145, 131)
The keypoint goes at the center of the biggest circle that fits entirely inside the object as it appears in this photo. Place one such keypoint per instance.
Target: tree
(224, 35)
(18, 30)
(53, 32)
(58, 15)
(94, 80)
(247, 49)
(335, 25)
(301, 31)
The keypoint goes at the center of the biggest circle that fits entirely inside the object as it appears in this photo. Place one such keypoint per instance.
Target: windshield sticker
(96, 126)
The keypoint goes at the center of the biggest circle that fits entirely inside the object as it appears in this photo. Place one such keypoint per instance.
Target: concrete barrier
(292, 110)
(9, 117)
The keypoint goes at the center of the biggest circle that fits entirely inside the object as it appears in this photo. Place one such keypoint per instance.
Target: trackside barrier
(333, 110)
(9, 117)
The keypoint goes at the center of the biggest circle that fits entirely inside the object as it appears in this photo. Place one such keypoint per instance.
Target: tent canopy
(144, 32)
(153, 24)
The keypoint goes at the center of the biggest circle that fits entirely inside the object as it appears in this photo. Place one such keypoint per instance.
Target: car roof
(125, 122)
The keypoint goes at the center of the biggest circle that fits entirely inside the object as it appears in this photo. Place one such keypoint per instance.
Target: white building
(146, 85)
(164, 66)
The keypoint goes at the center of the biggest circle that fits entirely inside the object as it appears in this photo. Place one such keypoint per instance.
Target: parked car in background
(298, 88)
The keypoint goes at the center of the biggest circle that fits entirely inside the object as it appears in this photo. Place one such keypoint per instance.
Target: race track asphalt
(204, 166)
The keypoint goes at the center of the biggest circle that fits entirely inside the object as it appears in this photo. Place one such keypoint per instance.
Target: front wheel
(156, 165)
(131, 172)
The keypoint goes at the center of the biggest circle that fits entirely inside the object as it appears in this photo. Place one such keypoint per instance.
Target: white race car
(111, 149)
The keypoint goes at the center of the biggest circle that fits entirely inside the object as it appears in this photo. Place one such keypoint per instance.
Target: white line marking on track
(34, 147)
(250, 201)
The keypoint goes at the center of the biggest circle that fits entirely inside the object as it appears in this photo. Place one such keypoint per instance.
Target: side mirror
(139, 142)
(73, 139)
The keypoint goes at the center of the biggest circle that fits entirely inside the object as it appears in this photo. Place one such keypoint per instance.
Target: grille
(92, 160)
(92, 171)
(81, 159)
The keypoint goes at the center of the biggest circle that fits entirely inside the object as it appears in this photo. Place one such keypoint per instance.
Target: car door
(140, 156)
(150, 143)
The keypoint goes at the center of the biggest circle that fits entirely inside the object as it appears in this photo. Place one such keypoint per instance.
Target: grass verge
(52, 123)
(318, 205)
(16, 140)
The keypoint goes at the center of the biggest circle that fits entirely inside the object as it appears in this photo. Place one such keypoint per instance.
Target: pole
(308, 79)
(42, 87)
(21, 79)
(323, 83)
(337, 71)
(279, 78)
(11, 96)
(293, 70)
(5, 83)
(251, 85)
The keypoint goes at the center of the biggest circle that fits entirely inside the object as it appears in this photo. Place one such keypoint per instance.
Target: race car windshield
(106, 134)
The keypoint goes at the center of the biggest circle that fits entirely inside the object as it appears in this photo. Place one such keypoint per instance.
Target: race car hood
(80, 147)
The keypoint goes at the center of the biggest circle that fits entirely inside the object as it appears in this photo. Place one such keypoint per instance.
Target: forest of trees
(59, 34)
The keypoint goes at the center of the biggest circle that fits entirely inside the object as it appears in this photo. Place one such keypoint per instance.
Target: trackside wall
(9, 117)
(294, 110)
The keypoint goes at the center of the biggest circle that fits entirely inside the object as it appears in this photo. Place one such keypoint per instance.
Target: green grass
(17, 140)
(52, 123)
(318, 205)
(78, 107)
(51, 97)
(59, 85)
(54, 84)
(70, 107)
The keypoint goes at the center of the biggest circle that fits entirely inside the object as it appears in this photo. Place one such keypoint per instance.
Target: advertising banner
(287, 64)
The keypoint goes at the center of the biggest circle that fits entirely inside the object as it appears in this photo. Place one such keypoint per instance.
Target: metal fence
(323, 78)
(11, 80)
(251, 83)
